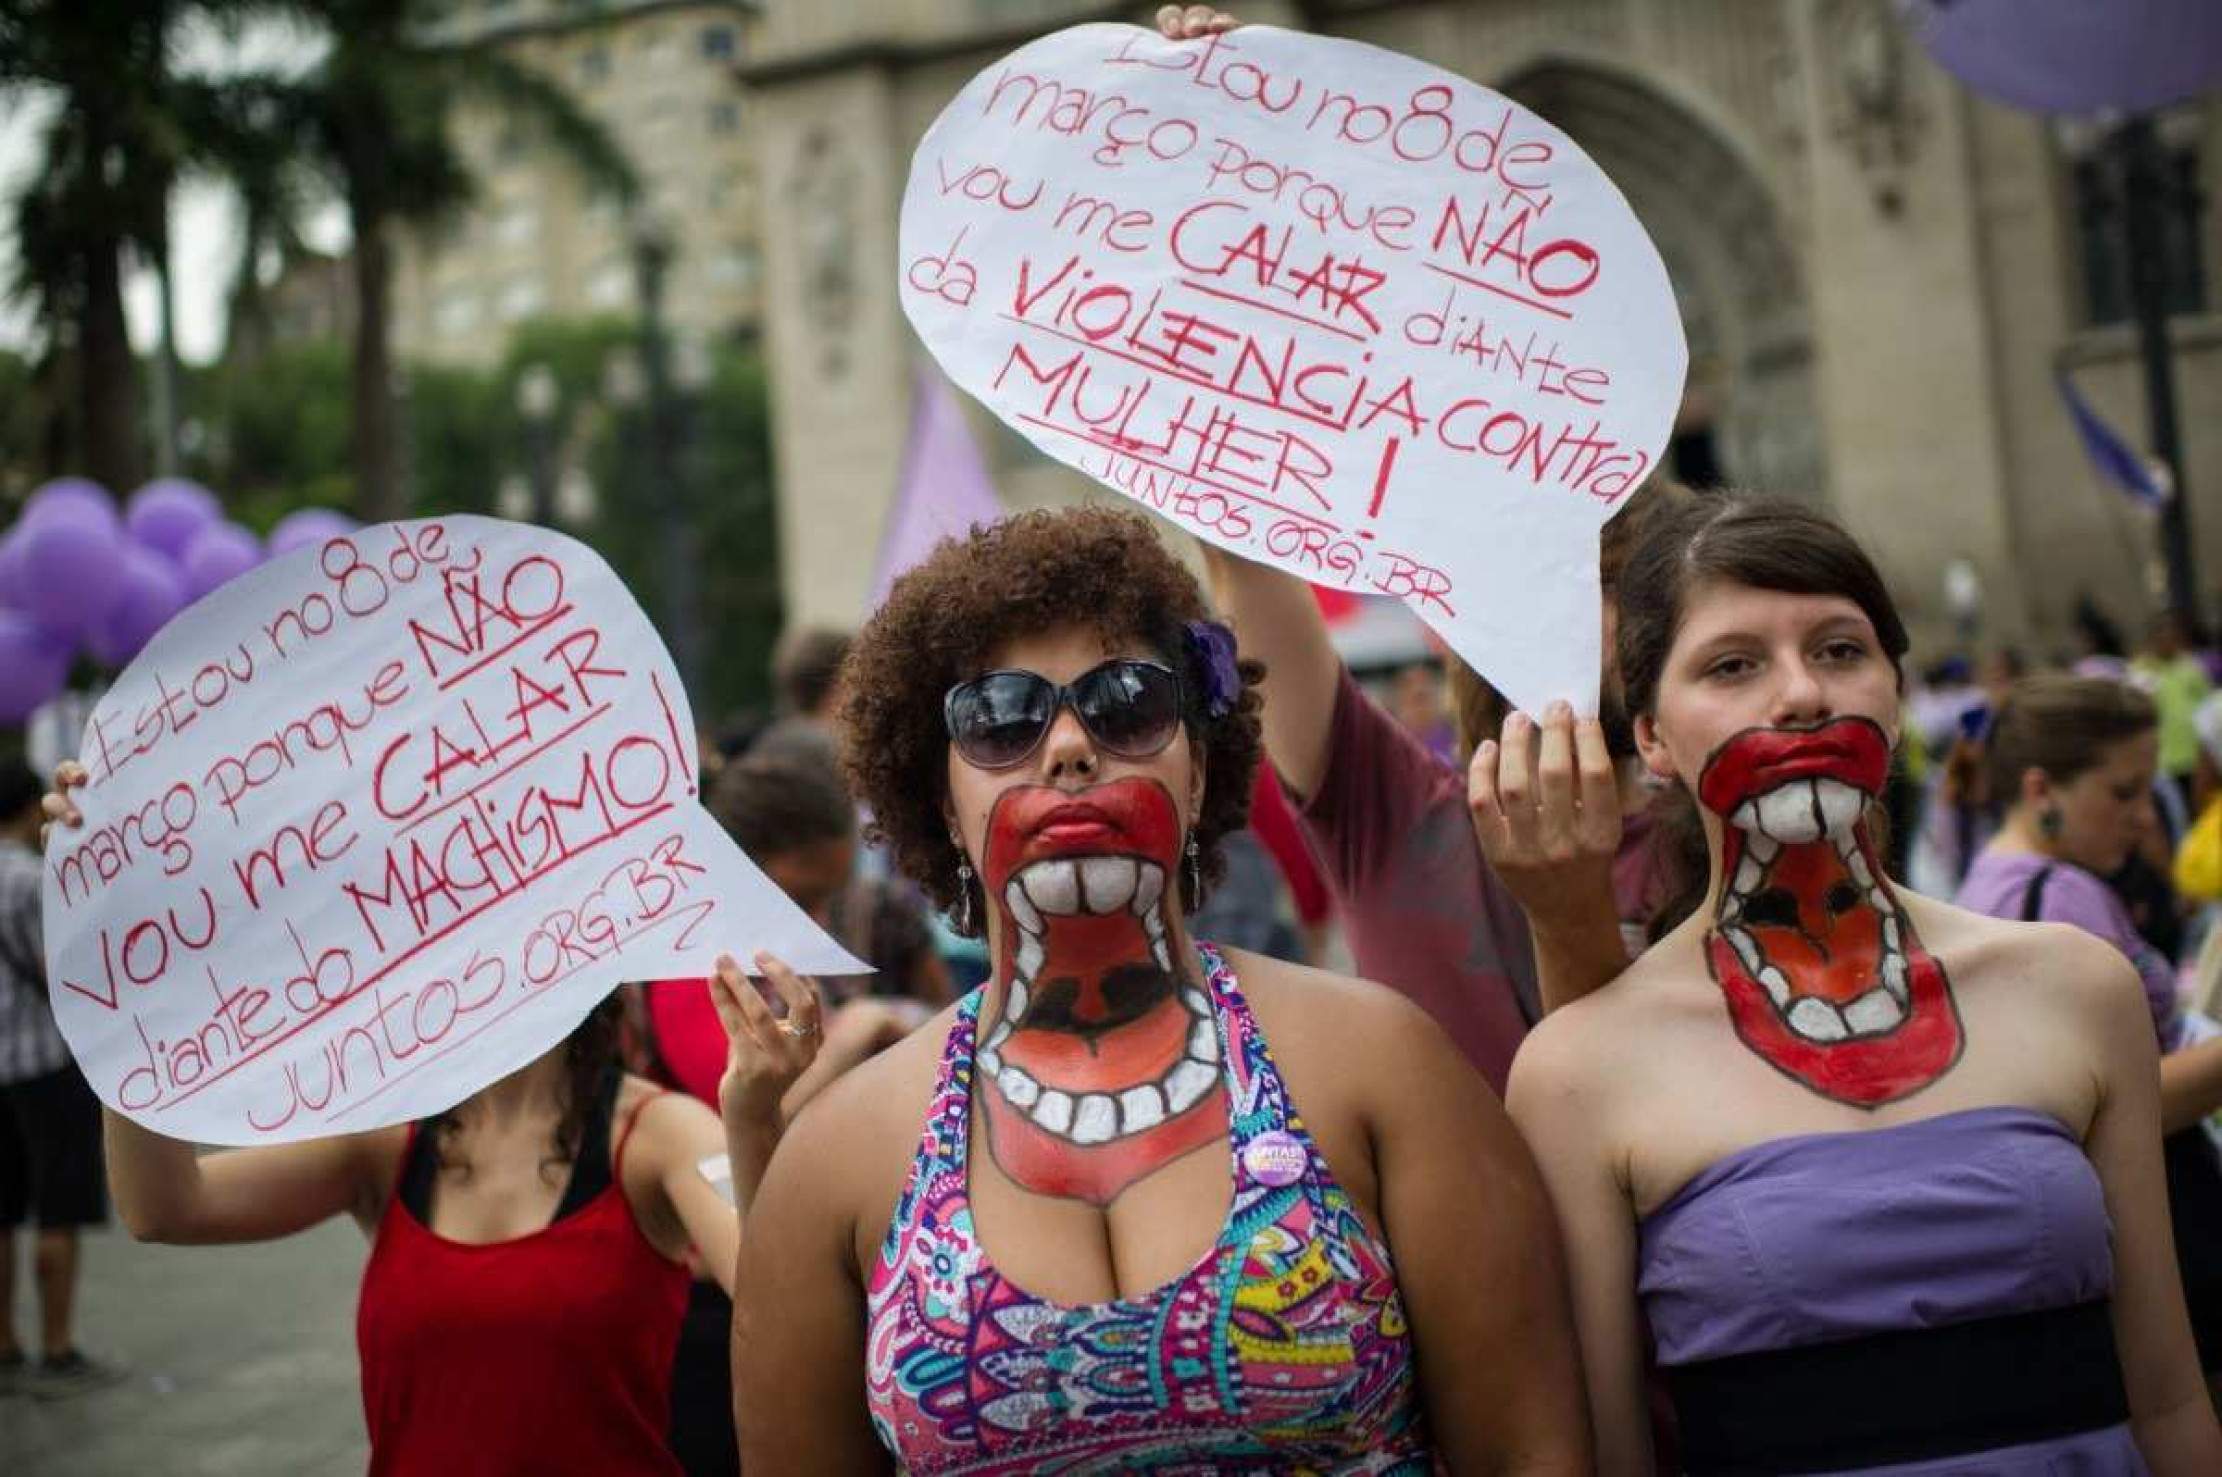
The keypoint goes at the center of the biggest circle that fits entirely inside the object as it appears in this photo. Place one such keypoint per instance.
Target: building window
(725, 117)
(735, 266)
(719, 43)
(516, 225)
(456, 312)
(594, 65)
(521, 299)
(2097, 186)
(610, 285)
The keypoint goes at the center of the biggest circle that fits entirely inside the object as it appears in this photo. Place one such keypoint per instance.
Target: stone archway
(1735, 271)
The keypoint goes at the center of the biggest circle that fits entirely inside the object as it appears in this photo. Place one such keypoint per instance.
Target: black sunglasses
(1131, 708)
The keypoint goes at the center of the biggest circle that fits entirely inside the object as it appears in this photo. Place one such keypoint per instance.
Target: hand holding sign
(1327, 307)
(376, 825)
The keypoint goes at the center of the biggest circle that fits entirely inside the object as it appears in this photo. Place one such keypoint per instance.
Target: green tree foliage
(271, 435)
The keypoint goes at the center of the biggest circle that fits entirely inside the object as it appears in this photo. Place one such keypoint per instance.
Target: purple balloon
(34, 663)
(308, 526)
(218, 554)
(2075, 56)
(70, 570)
(11, 569)
(153, 591)
(165, 514)
(72, 497)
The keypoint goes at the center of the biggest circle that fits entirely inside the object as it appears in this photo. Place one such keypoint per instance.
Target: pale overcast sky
(203, 219)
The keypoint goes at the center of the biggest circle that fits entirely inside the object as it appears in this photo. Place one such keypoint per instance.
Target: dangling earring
(2049, 823)
(1195, 876)
(964, 898)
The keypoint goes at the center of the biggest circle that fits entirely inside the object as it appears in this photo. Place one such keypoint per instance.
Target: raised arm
(1478, 1263)
(1558, 1117)
(164, 1191)
(2168, 1404)
(1546, 806)
(2190, 1084)
(1277, 622)
(798, 1314)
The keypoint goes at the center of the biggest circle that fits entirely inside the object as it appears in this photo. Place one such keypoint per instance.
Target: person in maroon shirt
(1489, 896)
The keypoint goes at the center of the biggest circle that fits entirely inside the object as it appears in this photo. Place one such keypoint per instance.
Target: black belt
(1901, 1396)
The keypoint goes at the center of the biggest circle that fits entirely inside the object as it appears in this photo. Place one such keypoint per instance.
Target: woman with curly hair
(1078, 1221)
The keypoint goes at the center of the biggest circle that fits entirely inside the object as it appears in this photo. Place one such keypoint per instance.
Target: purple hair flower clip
(1211, 655)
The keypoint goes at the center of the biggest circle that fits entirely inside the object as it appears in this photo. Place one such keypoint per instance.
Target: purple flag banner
(2117, 461)
(944, 489)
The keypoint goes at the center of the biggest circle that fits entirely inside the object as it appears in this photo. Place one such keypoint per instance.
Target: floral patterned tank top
(1283, 1349)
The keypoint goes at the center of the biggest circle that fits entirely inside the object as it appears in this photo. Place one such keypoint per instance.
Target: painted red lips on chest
(1105, 1062)
(1822, 971)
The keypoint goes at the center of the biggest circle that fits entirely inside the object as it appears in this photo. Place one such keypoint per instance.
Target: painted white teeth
(1746, 817)
(1197, 1005)
(1890, 934)
(1777, 987)
(1149, 885)
(1748, 875)
(1817, 1020)
(1030, 954)
(1790, 812)
(1186, 1084)
(1107, 883)
(1014, 1008)
(991, 1063)
(1054, 1111)
(1053, 886)
(1746, 950)
(1022, 907)
(1858, 866)
(1762, 846)
(1162, 955)
(1894, 977)
(1874, 1012)
(1096, 1120)
(1140, 1108)
(1839, 803)
(1021, 1089)
(1203, 1042)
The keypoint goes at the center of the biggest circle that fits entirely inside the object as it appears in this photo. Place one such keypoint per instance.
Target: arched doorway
(1751, 403)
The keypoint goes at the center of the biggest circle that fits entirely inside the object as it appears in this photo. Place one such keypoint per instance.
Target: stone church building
(1879, 273)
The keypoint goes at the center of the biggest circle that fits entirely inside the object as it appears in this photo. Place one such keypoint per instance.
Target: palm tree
(124, 127)
(375, 119)
(102, 66)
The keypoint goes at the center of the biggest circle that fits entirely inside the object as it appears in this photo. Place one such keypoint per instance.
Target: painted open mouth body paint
(1823, 973)
(1104, 1062)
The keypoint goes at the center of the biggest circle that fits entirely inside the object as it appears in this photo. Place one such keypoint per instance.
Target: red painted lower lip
(1077, 833)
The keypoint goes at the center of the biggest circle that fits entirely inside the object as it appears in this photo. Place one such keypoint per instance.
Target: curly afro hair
(1096, 568)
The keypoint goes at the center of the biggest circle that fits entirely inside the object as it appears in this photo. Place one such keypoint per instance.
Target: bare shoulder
(1302, 1008)
(664, 1120)
(374, 1157)
(2076, 969)
(1586, 1044)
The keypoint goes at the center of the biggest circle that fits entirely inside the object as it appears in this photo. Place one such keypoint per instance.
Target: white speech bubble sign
(377, 824)
(1325, 306)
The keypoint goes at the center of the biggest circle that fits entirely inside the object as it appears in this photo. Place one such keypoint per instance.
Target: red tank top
(547, 1353)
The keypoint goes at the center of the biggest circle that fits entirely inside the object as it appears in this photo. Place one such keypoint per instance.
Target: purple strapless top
(1815, 1237)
